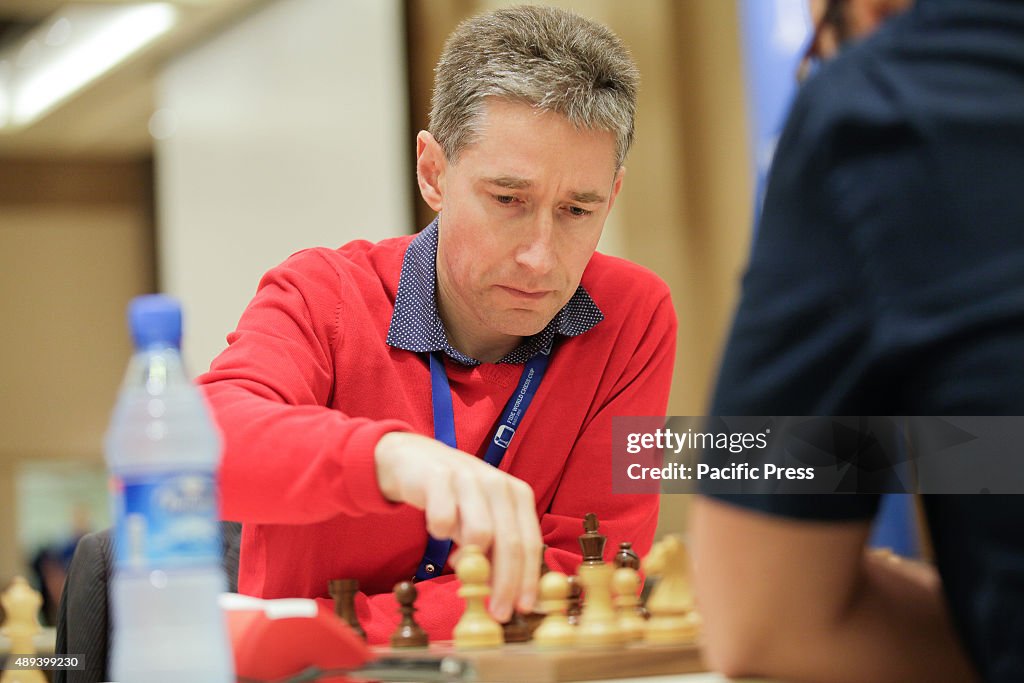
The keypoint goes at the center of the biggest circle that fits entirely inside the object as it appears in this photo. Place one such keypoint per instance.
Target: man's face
(521, 211)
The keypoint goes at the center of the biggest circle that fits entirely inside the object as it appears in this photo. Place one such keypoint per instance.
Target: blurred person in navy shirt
(887, 278)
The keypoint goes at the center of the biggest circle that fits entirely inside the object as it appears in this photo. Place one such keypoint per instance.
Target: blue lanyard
(436, 554)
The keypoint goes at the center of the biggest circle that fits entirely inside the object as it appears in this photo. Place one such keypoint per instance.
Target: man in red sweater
(461, 382)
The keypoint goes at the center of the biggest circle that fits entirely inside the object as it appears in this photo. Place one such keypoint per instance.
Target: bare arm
(802, 601)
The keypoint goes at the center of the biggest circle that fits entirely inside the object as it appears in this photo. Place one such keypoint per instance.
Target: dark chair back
(83, 620)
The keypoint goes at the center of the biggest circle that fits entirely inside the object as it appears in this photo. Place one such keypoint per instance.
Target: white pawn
(476, 628)
(626, 585)
(555, 631)
(21, 604)
(598, 626)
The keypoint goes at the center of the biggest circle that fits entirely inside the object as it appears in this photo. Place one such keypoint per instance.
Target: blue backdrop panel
(773, 33)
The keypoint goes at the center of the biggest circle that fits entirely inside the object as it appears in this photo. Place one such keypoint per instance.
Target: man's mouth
(532, 295)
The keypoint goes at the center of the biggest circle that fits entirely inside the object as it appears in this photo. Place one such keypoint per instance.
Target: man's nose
(536, 251)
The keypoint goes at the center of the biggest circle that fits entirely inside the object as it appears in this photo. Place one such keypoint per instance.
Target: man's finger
(476, 525)
(526, 513)
(441, 507)
(508, 554)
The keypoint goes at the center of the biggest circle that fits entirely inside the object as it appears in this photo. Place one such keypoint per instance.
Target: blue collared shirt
(416, 324)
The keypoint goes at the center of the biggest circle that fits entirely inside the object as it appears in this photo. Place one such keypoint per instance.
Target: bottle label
(166, 521)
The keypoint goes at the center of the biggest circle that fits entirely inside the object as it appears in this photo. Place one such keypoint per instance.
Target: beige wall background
(288, 132)
(76, 243)
(295, 127)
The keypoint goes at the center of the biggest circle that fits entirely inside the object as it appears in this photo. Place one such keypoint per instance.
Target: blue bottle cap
(155, 320)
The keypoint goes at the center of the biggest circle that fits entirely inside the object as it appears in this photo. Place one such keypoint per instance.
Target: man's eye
(504, 199)
(579, 211)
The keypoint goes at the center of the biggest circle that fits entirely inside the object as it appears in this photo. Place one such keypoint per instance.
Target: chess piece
(671, 605)
(627, 557)
(555, 631)
(575, 600)
(344, 593)
(21, 605)
(408, 633)
(598, 627)
(533, 619)
(626, 587)
(591, 542)
(516, 629)
(476, 628)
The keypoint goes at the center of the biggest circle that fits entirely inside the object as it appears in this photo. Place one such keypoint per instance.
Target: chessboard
(524, 662)
(590, 626)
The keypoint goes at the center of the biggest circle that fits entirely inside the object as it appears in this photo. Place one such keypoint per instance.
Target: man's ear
(864, 16)
(616, 186)
(430, 167)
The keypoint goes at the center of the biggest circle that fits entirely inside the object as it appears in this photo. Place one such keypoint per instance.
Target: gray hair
(549, 58)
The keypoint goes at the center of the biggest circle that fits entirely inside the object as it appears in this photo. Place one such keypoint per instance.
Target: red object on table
(271, 649)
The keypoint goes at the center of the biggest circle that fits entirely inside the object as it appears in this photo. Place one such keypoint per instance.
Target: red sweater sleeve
(288, 458)
(586, 486)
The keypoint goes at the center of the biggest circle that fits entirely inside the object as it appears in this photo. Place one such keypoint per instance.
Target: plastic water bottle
(162, 451)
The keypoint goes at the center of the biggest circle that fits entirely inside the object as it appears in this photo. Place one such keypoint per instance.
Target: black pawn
(591, 542)
(516, 629)
(344, 593)
(408, 633)
(627, 557)
(575, 606)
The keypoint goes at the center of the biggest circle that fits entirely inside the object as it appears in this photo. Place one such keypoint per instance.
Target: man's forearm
(800, 600)
(895, 627)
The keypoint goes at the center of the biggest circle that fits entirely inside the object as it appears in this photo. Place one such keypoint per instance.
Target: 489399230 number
(65, 663)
